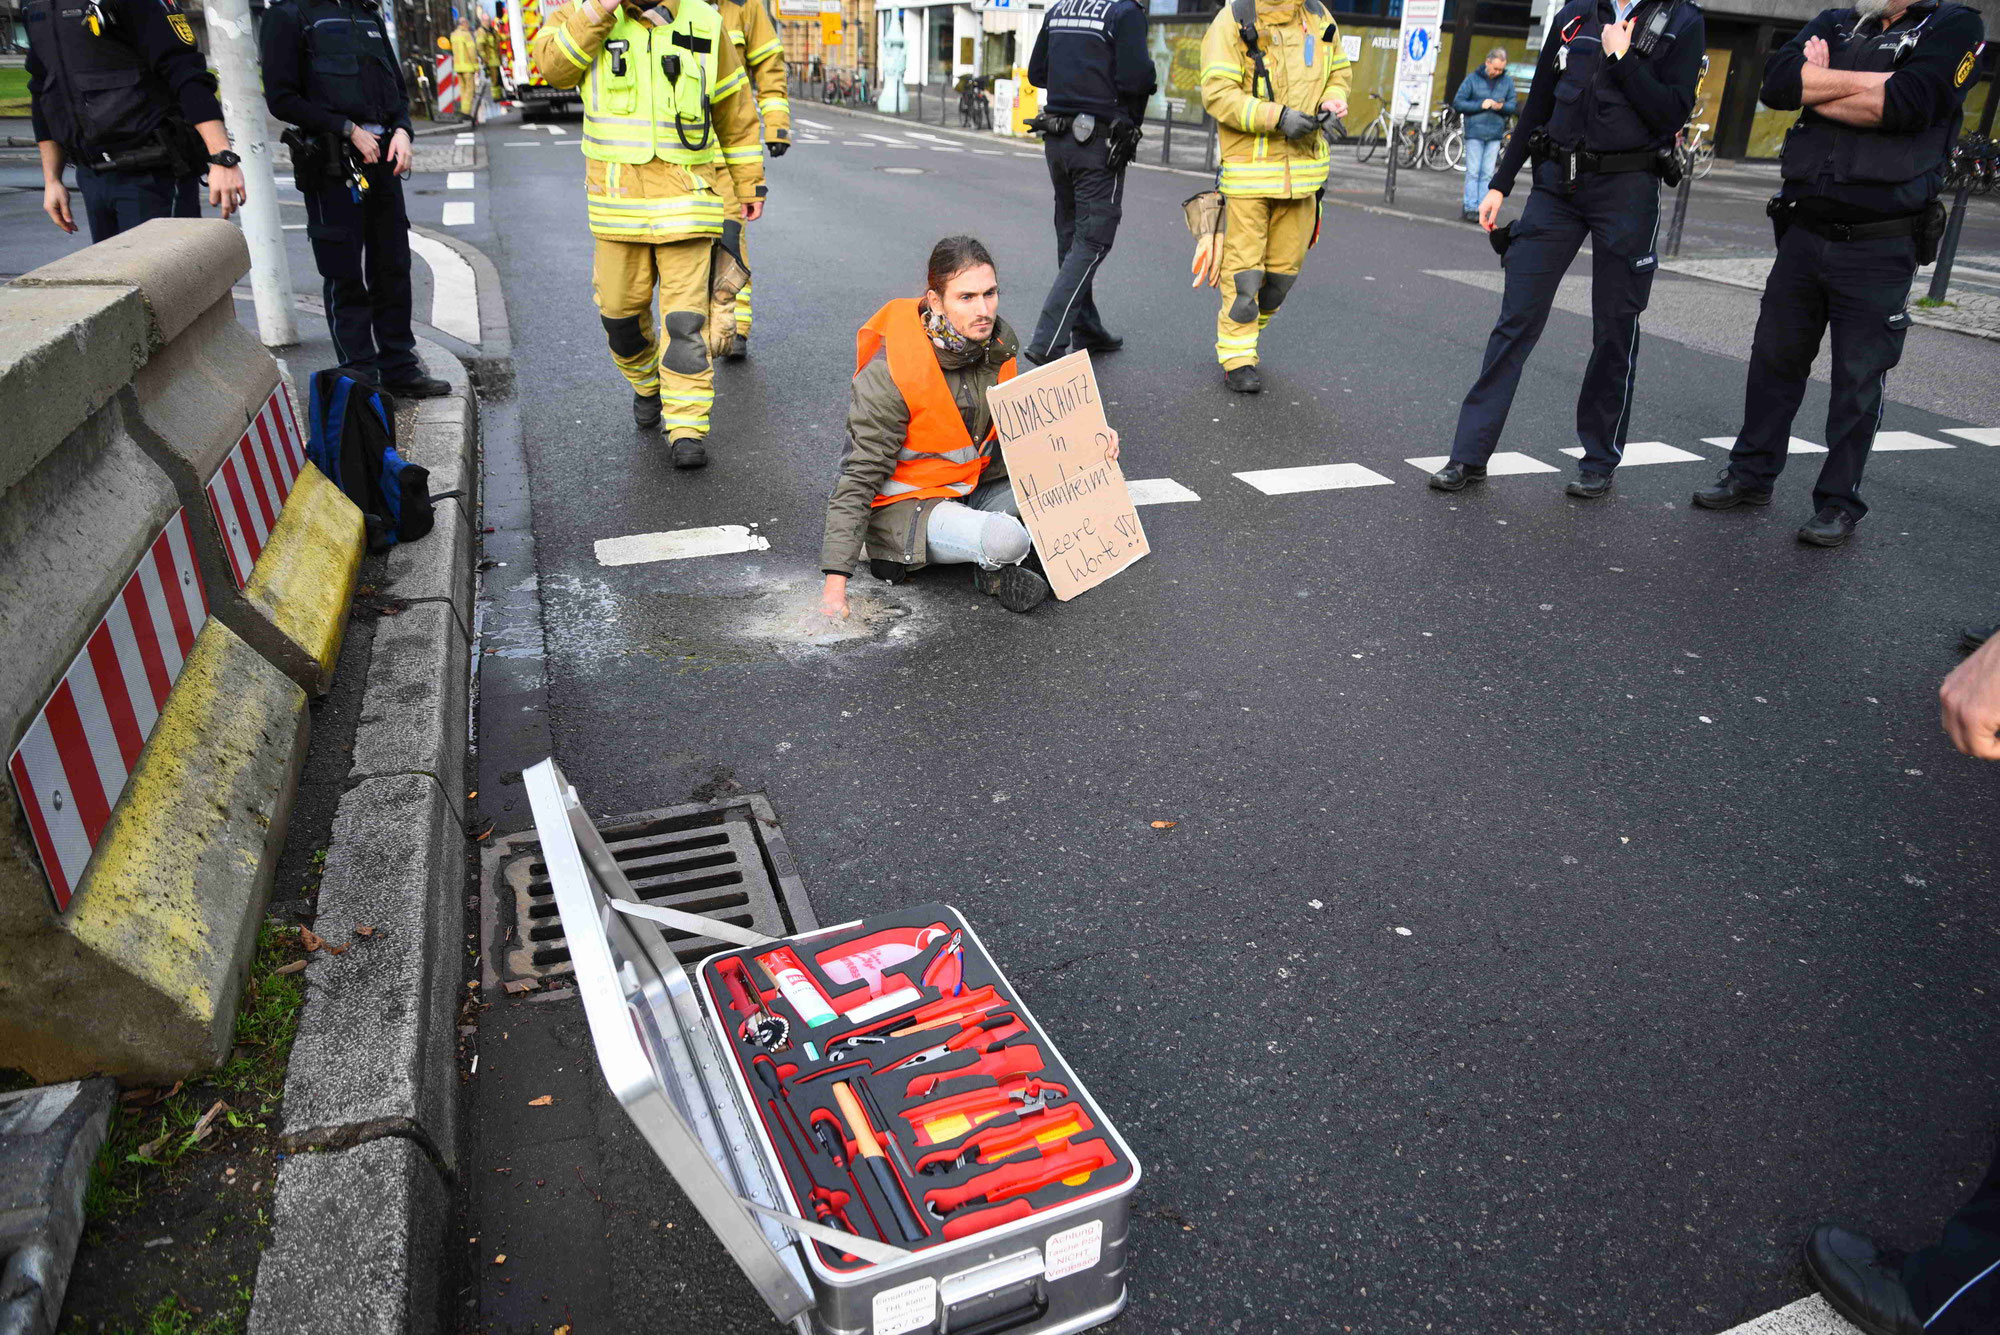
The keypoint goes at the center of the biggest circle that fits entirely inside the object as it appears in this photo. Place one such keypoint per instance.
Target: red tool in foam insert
(948, 1010)
(965, 1223)
(944, 1120)
(1000, 1142)
(946, 972)
(1022, 1178)
(986, 1034)
(1012, 1056)
(773, 1033)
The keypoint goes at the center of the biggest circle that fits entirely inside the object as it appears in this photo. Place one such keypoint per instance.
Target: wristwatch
(226, 158)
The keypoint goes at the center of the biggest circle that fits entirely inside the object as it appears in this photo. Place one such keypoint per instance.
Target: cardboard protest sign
(1073, 499)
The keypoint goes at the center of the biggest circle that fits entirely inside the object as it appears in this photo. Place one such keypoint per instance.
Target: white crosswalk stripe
(1313, 477)
(1807, 1316)
(1640, 452)
(1978, 435)
(458, 213)
(1907, 440)
(1503, 464)
(1158, 491)
(1798, 446)
(458, 180)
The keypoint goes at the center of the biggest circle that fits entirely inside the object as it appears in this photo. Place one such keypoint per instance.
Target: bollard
(1681, 194)
(1948, 248)
(1389, 180)
(920, 103)
(1167, 137)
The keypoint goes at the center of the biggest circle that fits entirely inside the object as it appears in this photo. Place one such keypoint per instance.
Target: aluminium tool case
(867, 1115)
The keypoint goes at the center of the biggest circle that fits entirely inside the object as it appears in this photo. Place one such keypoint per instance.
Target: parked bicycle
(1975, 163)
(1408, 137)
(1444, 141)
(1695, 149)
(847, 88)
(975, 102)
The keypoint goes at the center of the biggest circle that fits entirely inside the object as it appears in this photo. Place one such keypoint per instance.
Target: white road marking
(1503, 464)
(1645, 452)
(294, 227)
(801, 120)
(990, 152)
(465, 138)
(855, 143)
(458, 180)
(1027, 155)
(458, 213)
(928, 138)
(640, 548)
(939, 148)
(521, 143)
(1908, 440)
(556, 130)
(1807, 1316)
(1313, 477)
(885, 138)
(1158, 491)
(1798, 446)
(454, 291)
(1978, 435)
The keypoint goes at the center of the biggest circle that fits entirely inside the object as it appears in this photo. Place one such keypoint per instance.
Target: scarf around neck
(948, 340)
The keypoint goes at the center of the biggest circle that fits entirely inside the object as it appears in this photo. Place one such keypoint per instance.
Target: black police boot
(1973, 636)
(1829, 528)
(1018, 588)
(1727, 493)
(1590, 486)
(646, 411)
(423, 387)
(1859, 1283)
(1454, 476)
(689, 452)
(739, 348)
(1244, 379)
(1097, 342)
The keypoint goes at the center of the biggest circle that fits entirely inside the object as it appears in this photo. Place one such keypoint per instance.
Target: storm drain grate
(725, 860)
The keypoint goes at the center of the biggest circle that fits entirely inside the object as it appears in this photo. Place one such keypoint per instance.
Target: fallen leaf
(310, 939)
(474, 793)
(293, 967)
(202, 1127)
(337, 950)
(562, 1329)
(153, 1147)
(1165, 824)
(542, 1102)
(364, 930)
(483, 833)
(501, 1259)
(521, 985)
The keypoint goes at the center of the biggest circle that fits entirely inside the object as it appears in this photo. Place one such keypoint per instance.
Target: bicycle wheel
(1454, 150)
(1433, 153)
(1409, 145)
(1369, 143)
(1704, 160)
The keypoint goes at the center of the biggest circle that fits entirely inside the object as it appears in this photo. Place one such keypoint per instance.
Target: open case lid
(658, 1055)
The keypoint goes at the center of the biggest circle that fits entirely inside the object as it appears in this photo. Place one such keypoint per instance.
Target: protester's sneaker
(1829, 528)
(1018, 588)
(739, 348)
(646, 411)
(1590, 486)
(1454, 476)
(1728, 493)
(1860, 1283)
(1244, 379)
(689, 452)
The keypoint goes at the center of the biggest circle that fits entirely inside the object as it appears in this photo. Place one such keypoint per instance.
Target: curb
(371, 1095)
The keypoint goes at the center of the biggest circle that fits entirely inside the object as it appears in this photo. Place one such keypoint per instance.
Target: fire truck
(538, 100)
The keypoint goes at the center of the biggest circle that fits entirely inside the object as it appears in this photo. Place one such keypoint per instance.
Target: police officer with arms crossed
(1883, 87)
(1091, 59)
(330, 71)
(119, 88)
(1614, 83)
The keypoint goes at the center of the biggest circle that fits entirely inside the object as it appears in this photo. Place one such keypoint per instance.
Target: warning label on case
(911, 1307)
(1074, 1250)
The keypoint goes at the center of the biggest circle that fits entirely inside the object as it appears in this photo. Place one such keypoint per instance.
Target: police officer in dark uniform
(330, 71)
(119, 88)
(1883, 87)
(1091, 60)
(1614, 84)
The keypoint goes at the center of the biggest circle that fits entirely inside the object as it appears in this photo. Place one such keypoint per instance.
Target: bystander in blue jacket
(1486, 99)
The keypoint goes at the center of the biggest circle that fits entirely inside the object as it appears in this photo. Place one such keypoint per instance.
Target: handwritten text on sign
(1072, 498)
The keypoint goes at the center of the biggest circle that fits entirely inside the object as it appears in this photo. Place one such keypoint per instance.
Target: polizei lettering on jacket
(1086, 14)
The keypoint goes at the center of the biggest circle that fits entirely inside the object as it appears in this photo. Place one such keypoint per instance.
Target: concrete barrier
(174, 579)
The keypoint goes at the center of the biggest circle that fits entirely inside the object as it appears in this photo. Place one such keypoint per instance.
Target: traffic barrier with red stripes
(179, 580)
(447, 86)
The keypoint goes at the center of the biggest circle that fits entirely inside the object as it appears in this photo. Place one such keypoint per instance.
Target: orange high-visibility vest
(938, 457)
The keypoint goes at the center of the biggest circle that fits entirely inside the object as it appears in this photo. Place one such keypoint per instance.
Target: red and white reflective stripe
(447, 84)
(248, 492)
(71, 767)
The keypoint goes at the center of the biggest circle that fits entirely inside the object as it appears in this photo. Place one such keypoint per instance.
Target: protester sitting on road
(1953, 1286)
(1486, 99)
(922, 480)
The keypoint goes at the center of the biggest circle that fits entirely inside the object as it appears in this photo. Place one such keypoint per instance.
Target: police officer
(1091, 59)
(119, 88)
(330, 71)
(1883, 87)
(1614, 84)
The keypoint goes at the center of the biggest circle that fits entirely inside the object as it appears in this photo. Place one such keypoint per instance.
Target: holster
(314, 156)
(1124, 144)
(1930, 232)
(1780, 214)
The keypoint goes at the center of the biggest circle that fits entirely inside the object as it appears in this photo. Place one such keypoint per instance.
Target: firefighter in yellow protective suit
(1272, 71)
(756, 40)
(669, 140)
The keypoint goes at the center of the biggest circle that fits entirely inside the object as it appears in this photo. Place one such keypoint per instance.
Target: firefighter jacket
(756, 40)
(464, 59)
(882, 427)
(1301, 50)
(667, 109)
(487, 42)
(105, 93)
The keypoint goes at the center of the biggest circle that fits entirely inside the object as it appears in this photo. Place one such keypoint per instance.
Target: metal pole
(517, 40)
(1680, 209)
(1167, 135)
(1395, 149)
(232, 45)
(1948, 249)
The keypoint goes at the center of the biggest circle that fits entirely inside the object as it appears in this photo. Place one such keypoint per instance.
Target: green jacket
(877, 422)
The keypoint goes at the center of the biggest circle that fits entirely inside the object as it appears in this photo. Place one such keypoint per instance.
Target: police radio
(1646, 36)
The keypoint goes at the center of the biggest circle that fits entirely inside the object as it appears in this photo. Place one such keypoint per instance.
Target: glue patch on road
(641, 548)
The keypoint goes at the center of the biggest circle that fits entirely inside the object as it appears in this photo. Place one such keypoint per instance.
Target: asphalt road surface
(1567, 904)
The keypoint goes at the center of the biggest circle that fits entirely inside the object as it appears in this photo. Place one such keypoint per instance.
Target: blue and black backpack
(353, 441)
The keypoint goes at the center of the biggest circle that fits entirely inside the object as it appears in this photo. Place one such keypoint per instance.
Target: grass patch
(170, 1317)
(13, 92)
(1932, 303)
